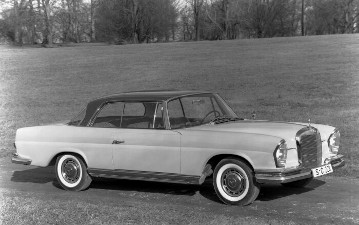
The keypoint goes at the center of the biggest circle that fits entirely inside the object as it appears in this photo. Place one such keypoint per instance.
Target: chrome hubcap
(70, 170)
(233, 182)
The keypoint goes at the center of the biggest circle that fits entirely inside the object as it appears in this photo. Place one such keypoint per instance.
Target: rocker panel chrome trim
(144, 175)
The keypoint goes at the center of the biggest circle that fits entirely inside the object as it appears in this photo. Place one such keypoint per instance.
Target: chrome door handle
(118, 142)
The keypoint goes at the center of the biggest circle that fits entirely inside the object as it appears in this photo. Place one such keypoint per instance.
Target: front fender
(198, 147)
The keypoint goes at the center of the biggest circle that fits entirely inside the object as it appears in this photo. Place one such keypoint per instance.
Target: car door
(140, 141)
(143, 142)
(93, 142)
(97, 145)
(151, 150)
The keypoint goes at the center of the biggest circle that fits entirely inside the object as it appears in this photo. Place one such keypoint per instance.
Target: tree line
(144, 21)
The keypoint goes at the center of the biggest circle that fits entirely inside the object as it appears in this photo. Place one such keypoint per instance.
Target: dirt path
(328, 200)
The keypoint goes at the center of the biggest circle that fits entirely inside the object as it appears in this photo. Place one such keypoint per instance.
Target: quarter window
(137, 115)
(112, 109)
(135, 109)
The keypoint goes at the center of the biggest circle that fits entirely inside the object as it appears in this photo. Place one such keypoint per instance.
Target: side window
(136, 115)
(193, 110)
(134, 109)
(200, 109)
(111, 109)
(196, 108)
(175, 113)
(175, 109)
(110, 115)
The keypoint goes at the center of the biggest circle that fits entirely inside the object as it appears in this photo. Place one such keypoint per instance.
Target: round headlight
(280, 154)
(334, 142)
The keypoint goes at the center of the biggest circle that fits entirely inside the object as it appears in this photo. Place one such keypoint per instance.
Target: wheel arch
(77, 154)
(214, 160)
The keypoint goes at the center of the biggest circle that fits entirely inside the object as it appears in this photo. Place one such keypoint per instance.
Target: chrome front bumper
(290, 175)
(20, 160)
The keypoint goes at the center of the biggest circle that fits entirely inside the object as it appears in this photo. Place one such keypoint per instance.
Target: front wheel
(71, 173)
(234, 183)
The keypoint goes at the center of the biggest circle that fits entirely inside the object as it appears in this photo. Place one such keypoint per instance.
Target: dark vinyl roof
(136, 96)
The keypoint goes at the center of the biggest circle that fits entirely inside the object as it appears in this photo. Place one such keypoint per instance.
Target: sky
(3, 6)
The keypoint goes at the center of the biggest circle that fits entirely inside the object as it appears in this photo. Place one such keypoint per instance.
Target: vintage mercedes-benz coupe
(180, 137)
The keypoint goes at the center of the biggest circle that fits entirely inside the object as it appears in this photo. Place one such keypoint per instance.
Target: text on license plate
(322, 170)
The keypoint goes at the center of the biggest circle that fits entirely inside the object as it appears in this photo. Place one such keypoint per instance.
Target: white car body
(186, 154)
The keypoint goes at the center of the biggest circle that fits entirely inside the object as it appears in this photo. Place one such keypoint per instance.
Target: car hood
(57, 123)
(284, 130)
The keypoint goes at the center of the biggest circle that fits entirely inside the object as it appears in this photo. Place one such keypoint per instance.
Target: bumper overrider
(20, 160)
(290, 175)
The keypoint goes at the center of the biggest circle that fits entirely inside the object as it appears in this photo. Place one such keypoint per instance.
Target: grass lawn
(287, 79)
(37, 208)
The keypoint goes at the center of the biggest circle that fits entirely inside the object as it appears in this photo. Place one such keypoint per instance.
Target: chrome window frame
(98, 110)
(214, 95)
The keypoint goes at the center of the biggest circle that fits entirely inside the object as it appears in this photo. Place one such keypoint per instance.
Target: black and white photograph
(179, 112)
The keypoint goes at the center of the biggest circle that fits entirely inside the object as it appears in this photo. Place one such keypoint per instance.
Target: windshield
(199, 109)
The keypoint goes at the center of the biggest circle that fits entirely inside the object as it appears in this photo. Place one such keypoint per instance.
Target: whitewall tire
(71, 173)
(234, 183)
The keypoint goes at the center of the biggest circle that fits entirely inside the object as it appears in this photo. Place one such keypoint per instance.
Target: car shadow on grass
(47, 175)
(206, 189)
(271, 192)
(37, 175)
(268, 192)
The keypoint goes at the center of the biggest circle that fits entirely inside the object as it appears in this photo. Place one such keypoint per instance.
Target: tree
(332, 17)
(136, 21)
(6, 28)
(48, 28)
(187, 28)
(93, 6)
(197, 12)
(302, 18)
(69, 15)
(268, 18)
(19, 9)
(32, 23)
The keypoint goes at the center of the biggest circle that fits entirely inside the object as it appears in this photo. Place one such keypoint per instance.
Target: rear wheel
(298, 183)
(71, 173)
(234, 183)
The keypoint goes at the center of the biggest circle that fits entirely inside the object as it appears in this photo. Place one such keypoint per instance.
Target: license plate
(320, 171)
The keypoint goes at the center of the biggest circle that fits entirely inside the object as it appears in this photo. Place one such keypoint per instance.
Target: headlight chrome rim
(334, 142)
(280, 154)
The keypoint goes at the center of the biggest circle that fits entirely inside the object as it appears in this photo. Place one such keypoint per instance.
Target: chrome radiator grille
(309, 147)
